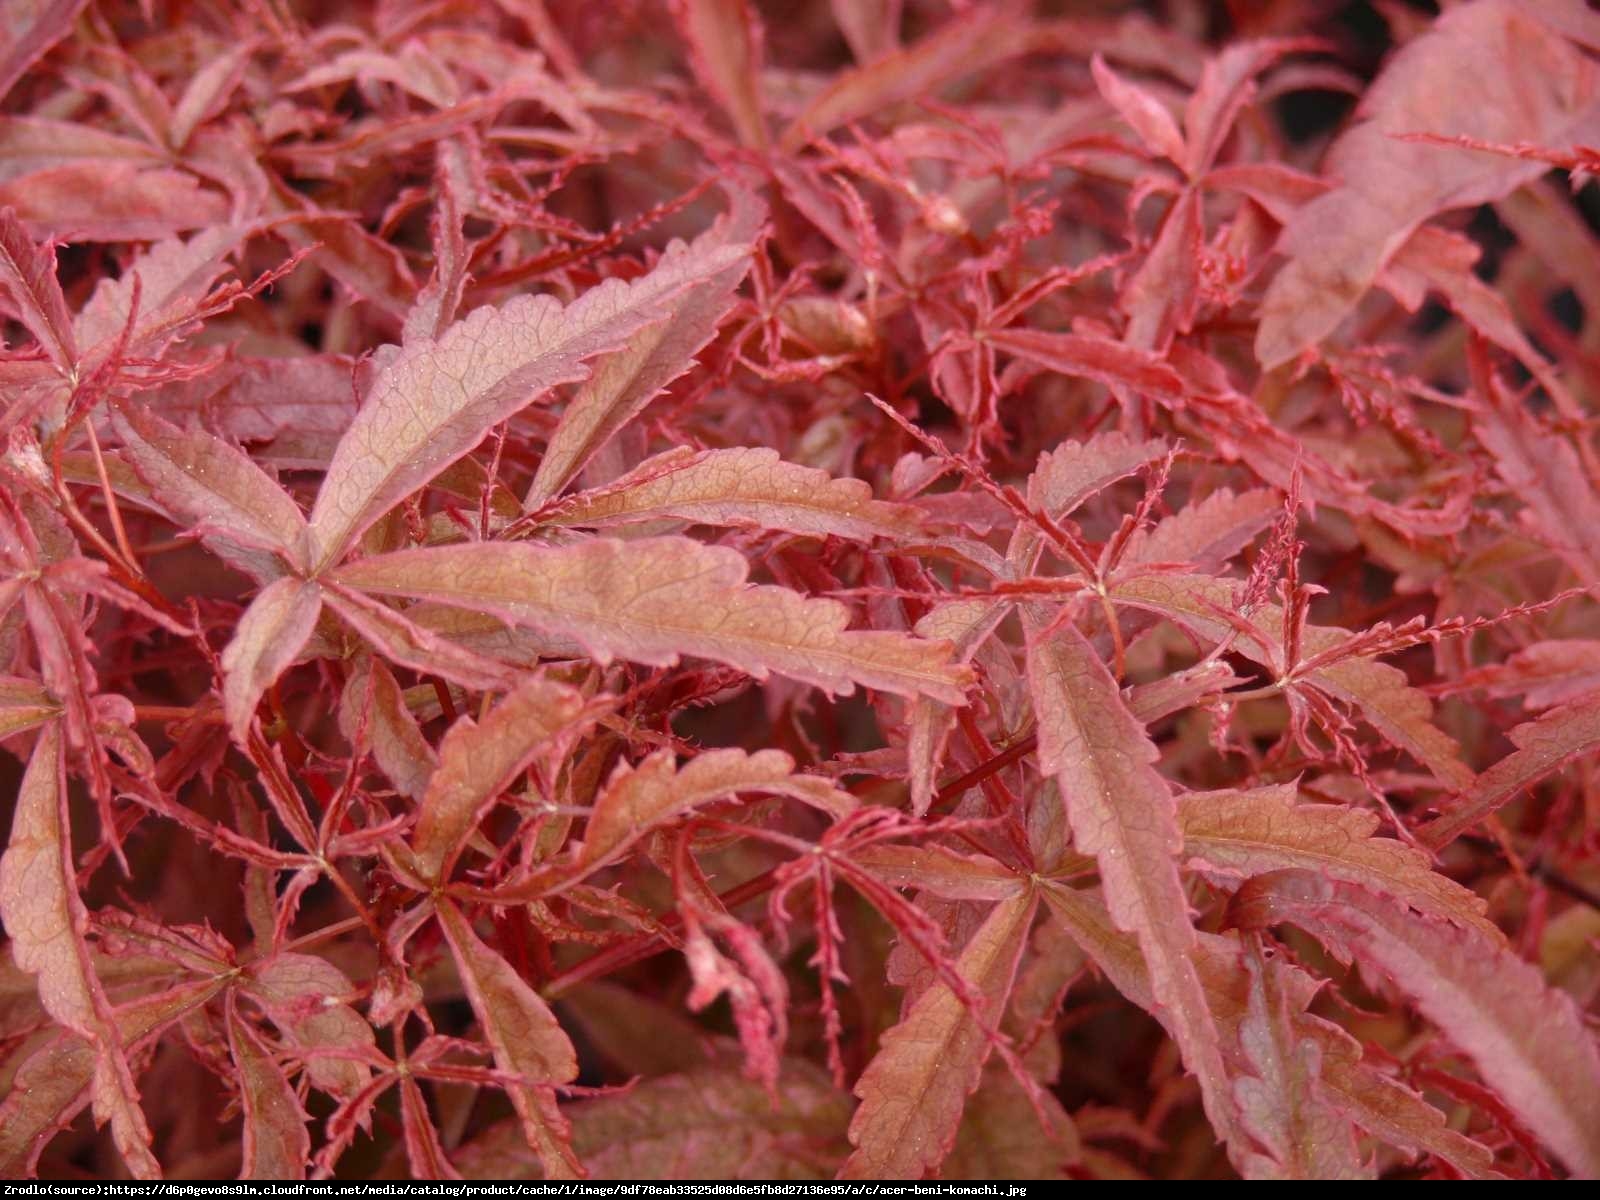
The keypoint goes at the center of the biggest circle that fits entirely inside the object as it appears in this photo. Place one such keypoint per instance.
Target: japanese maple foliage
(709, 589)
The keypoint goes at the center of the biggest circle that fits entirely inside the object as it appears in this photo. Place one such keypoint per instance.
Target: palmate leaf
(637, 799)
(1474, 988)
(276, 1143)
(478, 761)
(1401, 713)
(1558, 737)
(1367, 1096)
(1122, 813)
(655, 599)
(434, 400)
(913, 1092)
(1532, 86)
(527, 1040)
(28, 274)
(1235, 835)
(582, 704)
(625, 381)
(1282, 1102)
(741, 487)
(46, 921)
(247, 519)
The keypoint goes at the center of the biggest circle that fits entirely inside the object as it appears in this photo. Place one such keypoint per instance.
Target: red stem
(647, 945)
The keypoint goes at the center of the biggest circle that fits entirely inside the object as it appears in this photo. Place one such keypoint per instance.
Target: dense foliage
(725, 589)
